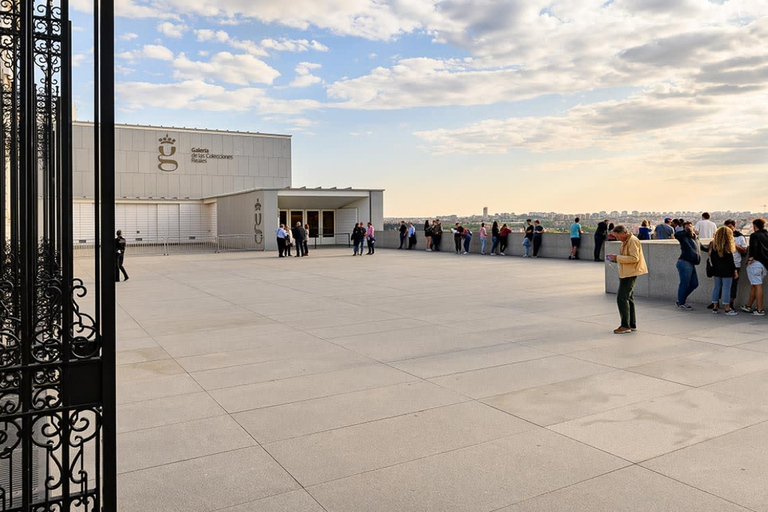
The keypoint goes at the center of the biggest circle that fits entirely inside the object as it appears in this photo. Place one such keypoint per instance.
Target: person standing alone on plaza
(756, 267)
(576, 232)
(631, 264)
(538, 232)
(370, 236)
(690, 256)
(120, 256)
(600, 235)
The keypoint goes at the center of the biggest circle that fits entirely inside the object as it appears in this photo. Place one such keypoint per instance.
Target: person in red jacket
(504, 238)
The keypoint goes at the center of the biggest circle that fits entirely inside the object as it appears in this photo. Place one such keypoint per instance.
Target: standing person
(631, 264)
(686, 264)
(705, 228)
(644, 231)
(721, 251)
(664, 231)
(281, 240)
(288, 240)
(120, 256)
(457, 230)
(576, 232)
(467, 235)
(483, 237)
(494, 238)
(298, 238)
(356, 235)
(538, 232)
(428, 234)
(370, 236)
(528, 239)
(741, 249)
(611, 237)
(679, 225)
(361, 228)
(306, 240)
(437, 235)
(757, 263)
(403, 231)
(411, 236)
(503, 239)
(600, 235)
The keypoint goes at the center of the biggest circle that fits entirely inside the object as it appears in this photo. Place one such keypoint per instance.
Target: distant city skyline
(453, 106)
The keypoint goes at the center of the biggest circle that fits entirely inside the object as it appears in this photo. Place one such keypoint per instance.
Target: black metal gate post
(57, 361)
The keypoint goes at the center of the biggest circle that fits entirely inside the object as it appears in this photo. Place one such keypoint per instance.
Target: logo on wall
(258, 234)
(166, 149)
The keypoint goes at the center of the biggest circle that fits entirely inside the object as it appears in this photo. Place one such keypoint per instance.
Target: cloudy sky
(453, 105)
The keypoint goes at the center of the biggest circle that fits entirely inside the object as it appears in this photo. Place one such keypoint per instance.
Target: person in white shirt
(705, 228)
(281, 240)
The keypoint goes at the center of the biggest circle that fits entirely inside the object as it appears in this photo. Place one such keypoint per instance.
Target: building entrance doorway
(322, 224)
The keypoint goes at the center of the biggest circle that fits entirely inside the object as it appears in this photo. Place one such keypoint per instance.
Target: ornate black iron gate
(57, 380)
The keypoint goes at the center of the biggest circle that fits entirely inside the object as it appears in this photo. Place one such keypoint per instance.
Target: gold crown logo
(167, 140)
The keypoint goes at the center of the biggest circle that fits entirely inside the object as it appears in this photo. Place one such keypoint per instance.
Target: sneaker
(633, 329)
(711, 305)
(622, 330)
(570, 258)
(759, 312)
(482, 254)
(685, 306)
(731, 312)
(746, 309)
(493, 254)
(715, 310)
(502, 254)
(465, 252)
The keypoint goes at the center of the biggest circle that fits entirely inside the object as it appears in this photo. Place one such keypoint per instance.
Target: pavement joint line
(187, 459)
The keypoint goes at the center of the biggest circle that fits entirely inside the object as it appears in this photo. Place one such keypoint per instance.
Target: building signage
(258, 234)
(166, 150)
(201, 156)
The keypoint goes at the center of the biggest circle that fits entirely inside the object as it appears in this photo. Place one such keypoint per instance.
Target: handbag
(710, 268)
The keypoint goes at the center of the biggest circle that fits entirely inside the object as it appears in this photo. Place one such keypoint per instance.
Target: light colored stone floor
(410, 381)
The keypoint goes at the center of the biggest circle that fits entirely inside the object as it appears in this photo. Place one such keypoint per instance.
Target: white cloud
(205, 34)
(172, 30)
(128, 36)
(148, 51)
(225, 67)
(304, 76)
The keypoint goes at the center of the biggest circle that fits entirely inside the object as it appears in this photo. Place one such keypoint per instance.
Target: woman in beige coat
(631, 264)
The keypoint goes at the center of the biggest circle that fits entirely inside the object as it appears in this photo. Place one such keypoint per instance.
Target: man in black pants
(298, 239)
(120, 246)
(403, 231)
(437, 234)
(600, 235)
(538, 230)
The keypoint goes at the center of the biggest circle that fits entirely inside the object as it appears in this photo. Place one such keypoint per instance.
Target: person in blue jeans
(467, 234)
(690, 257)
(494, 237)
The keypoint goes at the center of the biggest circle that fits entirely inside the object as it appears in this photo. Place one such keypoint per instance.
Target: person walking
(631, 264)
(403, 231)
(298, 237)
(690, 256)
(281, 240)
(428, 234)
(721, 251)
(437, 235)
(467, 236)
(411, 236)
(705, 228)
(664, 231)
(576, 232)
(306, 240)
(370, 236)
(741, 250)
(494, 238)
(600, 235)
(120, 256)
(483, 237)
(538, 232)
(757, 263)
(503, 238)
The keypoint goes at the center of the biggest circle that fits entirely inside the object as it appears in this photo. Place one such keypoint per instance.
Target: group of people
(297, 236)
(462, 237)
(362, 234)
(726, 253)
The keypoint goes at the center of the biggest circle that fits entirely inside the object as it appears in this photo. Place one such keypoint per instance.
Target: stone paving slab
(409, 390)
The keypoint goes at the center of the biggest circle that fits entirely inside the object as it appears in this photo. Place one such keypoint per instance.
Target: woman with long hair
(428, 234)
(503, 238)
(721, 250)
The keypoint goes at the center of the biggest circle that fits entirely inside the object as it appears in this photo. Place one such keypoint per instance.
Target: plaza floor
(410, 381)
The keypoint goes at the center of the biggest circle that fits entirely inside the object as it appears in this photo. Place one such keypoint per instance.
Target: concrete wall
(554, 245)
(233, 162)
(662, 279)
(243, 213)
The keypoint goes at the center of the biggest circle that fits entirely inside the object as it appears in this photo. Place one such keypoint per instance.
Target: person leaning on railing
(631, 264)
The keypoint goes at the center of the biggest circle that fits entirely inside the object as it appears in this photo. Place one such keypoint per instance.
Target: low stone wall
(554, 245)
(662, 279)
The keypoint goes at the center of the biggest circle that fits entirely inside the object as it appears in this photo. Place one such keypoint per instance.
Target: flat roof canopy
(324, 200)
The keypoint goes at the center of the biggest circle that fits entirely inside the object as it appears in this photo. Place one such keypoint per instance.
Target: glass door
(297, 216)
(313, 219)
(329, 224)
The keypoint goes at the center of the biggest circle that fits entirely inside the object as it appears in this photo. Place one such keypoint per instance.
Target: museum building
(185, 184)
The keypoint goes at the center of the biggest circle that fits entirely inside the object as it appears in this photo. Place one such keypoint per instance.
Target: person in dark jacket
(356, 236)
(437, 235)
(428, 234)
(494, 238)
(403, 231)
(120, 256)
(721, 250)
(298, 237)
(690, 256)
(538, 232)
(600, 235)
(756, 267)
